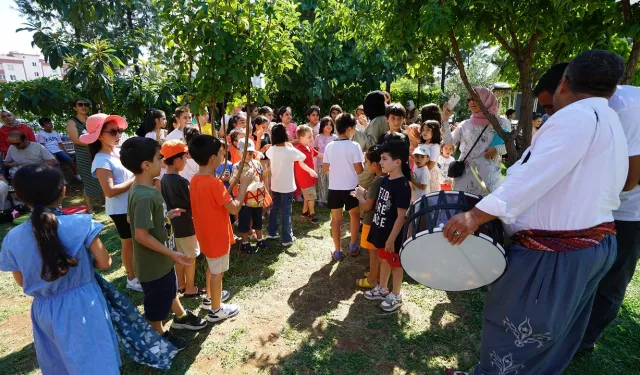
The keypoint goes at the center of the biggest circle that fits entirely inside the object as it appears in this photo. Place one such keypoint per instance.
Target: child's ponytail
(40, 186)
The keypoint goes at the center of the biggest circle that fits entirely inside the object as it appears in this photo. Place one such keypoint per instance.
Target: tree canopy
(132, 55)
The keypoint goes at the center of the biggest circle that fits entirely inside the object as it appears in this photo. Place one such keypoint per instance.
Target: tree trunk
(632, 63)
(526, 106)
(388, 87)
(443, 68)
(136, 68)
(419, 100)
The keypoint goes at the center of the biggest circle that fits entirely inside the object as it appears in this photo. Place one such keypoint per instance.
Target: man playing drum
(556, 203)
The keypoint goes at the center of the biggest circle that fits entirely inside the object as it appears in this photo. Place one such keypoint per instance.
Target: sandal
(198, 293)
(364, 283)
(366, 273)
(182, 290)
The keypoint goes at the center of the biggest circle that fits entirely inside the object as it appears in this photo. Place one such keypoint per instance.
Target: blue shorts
(63, 157)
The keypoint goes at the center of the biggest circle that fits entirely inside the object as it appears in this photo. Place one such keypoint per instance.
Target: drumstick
(473, 167)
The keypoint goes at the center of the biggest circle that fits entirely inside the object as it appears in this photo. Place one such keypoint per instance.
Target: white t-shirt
(316, 129)
(282, 159)
(434, 151)
(163, 135)
(175, 134)
(190, 169)
(423, 176)
(111, 162)
(50, 140)
(341, 155)
(443, 165)
(626, 103)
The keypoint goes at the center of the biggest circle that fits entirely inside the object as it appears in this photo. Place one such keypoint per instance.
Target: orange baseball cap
(173, 147)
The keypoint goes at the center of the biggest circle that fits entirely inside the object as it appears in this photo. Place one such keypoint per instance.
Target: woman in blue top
(52, 259)
(103, 138)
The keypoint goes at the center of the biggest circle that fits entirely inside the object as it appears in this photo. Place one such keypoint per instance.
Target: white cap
(251, 148)
(421, 150)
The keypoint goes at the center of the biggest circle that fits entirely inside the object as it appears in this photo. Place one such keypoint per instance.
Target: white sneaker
(293, 239)
(134, 285)
(391, 303)
(270, 237)
(225, 312)
(206, 301)
(376, 293)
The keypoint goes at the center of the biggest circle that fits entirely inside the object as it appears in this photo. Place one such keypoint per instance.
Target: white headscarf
(410, 105)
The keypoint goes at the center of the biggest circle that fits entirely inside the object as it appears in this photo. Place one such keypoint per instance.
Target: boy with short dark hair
(343, 160)
(153, 254)
(395, 114)
(305, 173)
(391, 207)
(175, 191)
(52, 141)
(210, 218)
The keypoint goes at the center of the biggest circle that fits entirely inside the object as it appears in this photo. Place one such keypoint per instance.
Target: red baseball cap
(96, 122)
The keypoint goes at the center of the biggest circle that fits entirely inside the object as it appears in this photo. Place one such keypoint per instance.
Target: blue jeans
(281, 206)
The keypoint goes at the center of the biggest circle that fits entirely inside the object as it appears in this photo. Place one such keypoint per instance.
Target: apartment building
(16, 66)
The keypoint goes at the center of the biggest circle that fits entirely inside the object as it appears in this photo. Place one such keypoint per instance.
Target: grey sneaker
(224, 312)
(293, 239)
(270, 237)
(376, 293)
(391, 303)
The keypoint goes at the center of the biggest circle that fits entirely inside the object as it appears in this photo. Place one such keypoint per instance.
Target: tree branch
(632, 63)
(472, 93)
(626, 10)
(528, 51)
(503, 42)
(512, 31)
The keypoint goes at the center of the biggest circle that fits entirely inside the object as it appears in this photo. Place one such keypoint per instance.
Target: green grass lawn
(302, 315)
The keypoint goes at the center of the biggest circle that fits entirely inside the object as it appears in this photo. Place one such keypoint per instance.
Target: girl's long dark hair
(39, 186)
(436, 136)
(327, 120)
(149, 123)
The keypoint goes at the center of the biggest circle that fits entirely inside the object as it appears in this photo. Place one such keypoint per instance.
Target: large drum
(431, 260)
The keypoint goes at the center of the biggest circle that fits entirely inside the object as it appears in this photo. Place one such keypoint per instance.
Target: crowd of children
(175, 196)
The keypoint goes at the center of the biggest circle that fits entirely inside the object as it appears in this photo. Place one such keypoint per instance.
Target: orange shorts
(392, 258)
(363, 238)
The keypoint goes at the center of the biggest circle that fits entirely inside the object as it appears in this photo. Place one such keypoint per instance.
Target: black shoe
(247, 248)
(262, 244)
(314, 219)
(189, 321)
(305, 214)
(176, 341)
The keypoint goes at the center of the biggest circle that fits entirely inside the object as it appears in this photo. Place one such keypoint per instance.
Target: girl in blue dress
(52, 258)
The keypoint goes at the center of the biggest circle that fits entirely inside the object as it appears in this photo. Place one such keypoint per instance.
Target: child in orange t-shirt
(211, 207)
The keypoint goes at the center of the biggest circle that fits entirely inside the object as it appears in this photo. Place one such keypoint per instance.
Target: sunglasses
(83, 105)
(114, 132)
(469, 100)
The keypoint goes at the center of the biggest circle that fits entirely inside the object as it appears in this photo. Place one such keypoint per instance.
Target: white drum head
(433, 262)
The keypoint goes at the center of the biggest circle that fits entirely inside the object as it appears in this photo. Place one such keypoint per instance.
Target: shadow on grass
(369, 340)
(20, 362)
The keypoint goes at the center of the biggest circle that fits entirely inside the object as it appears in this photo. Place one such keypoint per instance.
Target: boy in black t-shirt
(391, 207)
(175, 191)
